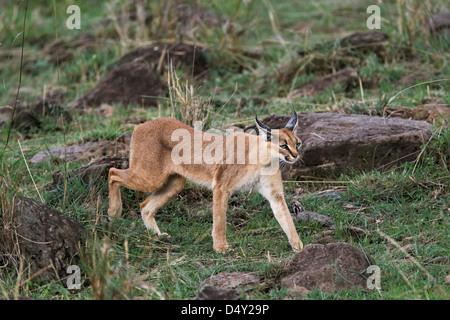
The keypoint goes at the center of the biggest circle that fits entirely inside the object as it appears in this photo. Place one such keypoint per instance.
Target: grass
(397, 207)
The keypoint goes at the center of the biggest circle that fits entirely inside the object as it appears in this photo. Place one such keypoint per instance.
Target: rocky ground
(372, 188)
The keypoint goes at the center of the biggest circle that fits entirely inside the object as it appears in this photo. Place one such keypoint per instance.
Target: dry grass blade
(20, 77)
(187, 106)
(29, 172)
(413, 86)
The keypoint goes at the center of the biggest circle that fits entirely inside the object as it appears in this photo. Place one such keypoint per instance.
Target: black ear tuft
(292, 122)
(264, 130)
(262, 125)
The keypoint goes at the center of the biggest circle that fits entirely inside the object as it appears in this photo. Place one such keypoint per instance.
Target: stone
(181, 55)
(365, 42)
(215, 293)
(85, 151)
(344, 78)
(29, 116)
(329, 195)
(339, 143)
(93, 174)
(364, 38)
(439, 112)
(134, 82)
(226, 285)
(334, 266)
(64, 49)
(190, 18)
(232, 279)
(48, 240)
(355, 233)
(311, 217)
(439, 24)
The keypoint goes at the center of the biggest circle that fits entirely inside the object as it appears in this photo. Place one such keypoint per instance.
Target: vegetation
(266, 49)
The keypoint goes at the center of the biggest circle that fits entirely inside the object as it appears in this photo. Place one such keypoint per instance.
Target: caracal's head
(289, 143)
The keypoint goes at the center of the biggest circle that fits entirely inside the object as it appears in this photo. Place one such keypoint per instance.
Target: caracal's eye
(298, 145)
(284, 146)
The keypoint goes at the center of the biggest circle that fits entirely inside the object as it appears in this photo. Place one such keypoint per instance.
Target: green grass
(125, 261)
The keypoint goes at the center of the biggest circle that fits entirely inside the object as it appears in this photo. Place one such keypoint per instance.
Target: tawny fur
(152, 170)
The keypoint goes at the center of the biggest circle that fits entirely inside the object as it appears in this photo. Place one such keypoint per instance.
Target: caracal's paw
(297, 246)
(165, 237)
(221, 248)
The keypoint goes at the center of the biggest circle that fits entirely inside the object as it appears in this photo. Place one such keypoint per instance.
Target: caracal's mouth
(292, 161)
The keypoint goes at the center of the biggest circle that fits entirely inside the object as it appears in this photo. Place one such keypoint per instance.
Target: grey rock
(216, 293)
(309, 216)
(48, 240)
(339, 143)
(335, 266)
(84, 151)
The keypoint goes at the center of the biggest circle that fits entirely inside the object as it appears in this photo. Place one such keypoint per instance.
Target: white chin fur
(282, 158)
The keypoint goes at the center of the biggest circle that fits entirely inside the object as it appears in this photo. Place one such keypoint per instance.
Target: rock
(188, 57)
(225, 285)
(429, 113)
(366, 42)
(24, 120)
(407, 239)
(93, 174)
(48, 240)
(434, 110)
(63, 49)
(232, 279)
(434, 100)
(417, 75)
(29, 117)
(323, 234)
(364, 38)
(356, 233)
(335, 266)
(447, 279)
(105, 110)
(85, 151)
(215, 293)
(128, 83)
(298, 292)
(439, 24)
(409, 248)
(307, 216)
(329, 195)
(352, 52)
(189, 18)
(344, 78)
(339, 143)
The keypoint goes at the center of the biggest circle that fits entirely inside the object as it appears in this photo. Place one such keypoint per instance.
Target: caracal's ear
(264, 130)
(293, 122)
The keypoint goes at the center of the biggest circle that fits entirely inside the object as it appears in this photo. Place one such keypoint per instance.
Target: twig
(323, 181)
(413, 86)
(423, 150)
(20, 77)
(29, 172)
(410, 257)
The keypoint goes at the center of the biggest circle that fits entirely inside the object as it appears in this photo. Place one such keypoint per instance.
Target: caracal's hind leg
(116, 178)
(158, 199)
(133, 179)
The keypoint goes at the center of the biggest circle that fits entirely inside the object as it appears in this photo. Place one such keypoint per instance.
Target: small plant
(187, 105)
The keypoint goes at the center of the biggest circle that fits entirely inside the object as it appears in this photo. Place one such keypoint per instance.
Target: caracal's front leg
(273, 192)
(220, 199)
